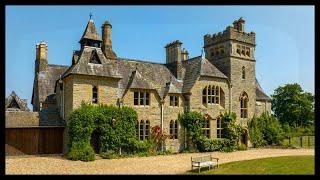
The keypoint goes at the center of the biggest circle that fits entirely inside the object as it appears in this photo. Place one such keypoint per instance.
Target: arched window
(94, 95)
(243, 72)
(211, 95)
(243, 52)
(147, 129)
(206, 128)
(244, 105)
(219, 128)
(248, 53)
(238, 51)
(174, 129)
(141, 126)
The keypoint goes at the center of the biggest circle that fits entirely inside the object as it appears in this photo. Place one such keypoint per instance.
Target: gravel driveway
(165, 164)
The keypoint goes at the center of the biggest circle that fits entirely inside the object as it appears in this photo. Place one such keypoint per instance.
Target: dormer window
(94, 59)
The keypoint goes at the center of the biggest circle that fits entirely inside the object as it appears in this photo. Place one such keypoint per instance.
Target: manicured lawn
(274, 165)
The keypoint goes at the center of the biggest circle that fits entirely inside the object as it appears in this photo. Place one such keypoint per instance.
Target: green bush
(242, 147)
(109, 155)
(265, 130)
(114, 125)
(135, 146)
(81, 151)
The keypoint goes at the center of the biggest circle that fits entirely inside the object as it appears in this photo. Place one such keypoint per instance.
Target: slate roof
(90, 32)
(107, 68)
(47, 80)
(146, 75)
(196, 67)
(13, 98)
(260, 94)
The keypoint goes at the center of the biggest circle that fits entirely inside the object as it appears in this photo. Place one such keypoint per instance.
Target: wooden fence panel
(36, 140)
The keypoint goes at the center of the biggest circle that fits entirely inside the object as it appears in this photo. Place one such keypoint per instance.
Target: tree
(292, 105)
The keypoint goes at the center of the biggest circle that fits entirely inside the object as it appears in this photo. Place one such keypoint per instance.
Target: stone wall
(262, 106)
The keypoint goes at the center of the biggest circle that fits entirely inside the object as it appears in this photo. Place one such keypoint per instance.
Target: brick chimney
(107, 41)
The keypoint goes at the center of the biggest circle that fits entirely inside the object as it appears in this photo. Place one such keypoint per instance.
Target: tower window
(244, 105)
(248, 53)
(238, 51)
(243, 73)
(94, 95)
(243, 52)
(94, 59)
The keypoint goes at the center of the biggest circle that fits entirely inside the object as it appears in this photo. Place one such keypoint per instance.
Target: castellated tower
(41, 57)
(232, 52)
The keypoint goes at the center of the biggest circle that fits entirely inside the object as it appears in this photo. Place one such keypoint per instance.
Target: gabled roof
(90, 32)
(146, 75)
(14, 103)
(46, 81)
(196, 67)
(107, 68)
(260, 94)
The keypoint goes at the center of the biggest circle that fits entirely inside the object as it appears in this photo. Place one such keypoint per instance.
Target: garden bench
(204, 161)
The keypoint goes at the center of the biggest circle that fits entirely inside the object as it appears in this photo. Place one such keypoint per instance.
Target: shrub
(109, 155)
(193, 122)
(136, 146)
(242, 147)
(81, 151)
(265, 130)
(113, 124)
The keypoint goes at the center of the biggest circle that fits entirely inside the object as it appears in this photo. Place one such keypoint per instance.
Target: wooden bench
(204, 161)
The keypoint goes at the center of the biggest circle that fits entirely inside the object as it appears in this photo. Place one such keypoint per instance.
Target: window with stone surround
(94, 95)
(219, 128)
(244, 105)
(211, 95)
(206, 128)
(144, 130)
(141, 98)
(174, 100)
(243, 72)
(173, 129)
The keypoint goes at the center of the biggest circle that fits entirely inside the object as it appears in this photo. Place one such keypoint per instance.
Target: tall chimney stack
(41, 57)
(173, 52)
(107, 42)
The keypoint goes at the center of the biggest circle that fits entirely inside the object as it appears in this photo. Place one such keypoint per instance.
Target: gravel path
(168, 164)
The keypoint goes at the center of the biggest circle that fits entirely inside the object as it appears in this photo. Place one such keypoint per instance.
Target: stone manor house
(221, 80)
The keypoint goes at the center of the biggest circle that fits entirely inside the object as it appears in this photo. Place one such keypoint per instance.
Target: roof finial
(90, 15)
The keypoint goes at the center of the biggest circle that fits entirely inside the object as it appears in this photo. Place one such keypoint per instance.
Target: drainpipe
(162, 103)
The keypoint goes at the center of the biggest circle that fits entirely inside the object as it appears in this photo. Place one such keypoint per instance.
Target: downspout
(162, 103)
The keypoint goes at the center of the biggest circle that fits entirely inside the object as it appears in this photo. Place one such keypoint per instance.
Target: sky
(284, 37)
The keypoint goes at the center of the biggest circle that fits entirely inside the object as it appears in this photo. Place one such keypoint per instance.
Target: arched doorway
(95, 141)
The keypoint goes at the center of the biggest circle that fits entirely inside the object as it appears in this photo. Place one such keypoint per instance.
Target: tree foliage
(291, 105)
(265, 130)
